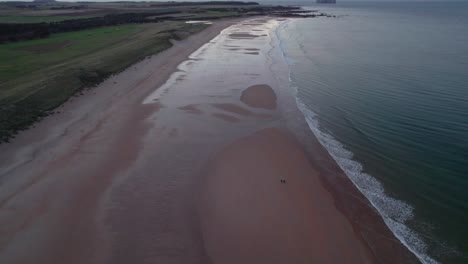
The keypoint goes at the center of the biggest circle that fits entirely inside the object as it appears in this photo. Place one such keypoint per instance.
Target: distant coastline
(326, 1)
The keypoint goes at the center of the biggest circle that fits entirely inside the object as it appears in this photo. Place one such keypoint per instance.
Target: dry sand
(249, 216)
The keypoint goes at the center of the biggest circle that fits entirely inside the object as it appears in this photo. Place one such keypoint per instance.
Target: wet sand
(259, 96)
(180, 159)
(56, 177)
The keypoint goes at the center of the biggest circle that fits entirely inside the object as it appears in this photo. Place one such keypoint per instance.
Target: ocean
(384, 87)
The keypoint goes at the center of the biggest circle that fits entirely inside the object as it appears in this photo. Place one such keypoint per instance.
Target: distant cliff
(326, 1)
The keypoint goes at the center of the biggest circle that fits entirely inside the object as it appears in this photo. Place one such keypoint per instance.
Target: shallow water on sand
(200, 109)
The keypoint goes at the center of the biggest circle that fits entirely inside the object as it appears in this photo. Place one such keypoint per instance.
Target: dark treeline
(28, 31)
(261, 9)
(26, 6)
(10, 32)
(68, 7)
(223, 3)
(108, 20)
(17, 32)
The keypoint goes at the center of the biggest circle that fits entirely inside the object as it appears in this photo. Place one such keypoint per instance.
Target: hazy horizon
(259, 1)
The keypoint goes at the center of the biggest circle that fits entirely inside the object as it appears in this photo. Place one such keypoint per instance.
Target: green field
(38, 75)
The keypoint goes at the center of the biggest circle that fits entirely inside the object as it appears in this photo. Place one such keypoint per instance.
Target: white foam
(199, 22)
(181, 69)
(395, 213)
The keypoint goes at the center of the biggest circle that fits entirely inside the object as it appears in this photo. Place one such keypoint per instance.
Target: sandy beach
(195, 155)
(262, 202)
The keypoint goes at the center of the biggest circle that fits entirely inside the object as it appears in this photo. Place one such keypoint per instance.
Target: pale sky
(259, 1)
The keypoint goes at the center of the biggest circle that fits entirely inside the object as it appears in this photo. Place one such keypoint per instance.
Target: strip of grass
(37, 76)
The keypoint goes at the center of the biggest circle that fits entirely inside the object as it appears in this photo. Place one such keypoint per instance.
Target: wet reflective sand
(208, 203)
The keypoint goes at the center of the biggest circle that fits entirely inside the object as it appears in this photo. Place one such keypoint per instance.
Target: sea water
(384, 87)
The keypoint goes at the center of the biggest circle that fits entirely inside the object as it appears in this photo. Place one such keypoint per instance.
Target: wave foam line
(394, 212)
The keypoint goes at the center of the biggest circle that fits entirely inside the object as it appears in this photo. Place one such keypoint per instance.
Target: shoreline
(126, 143)
(379, 230)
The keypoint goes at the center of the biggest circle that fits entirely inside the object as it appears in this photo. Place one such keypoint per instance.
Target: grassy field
(38, 75)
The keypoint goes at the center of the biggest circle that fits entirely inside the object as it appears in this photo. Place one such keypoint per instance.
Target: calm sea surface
(385, 88)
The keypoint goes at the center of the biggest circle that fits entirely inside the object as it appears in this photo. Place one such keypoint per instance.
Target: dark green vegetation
(11, 32)
(35, 19)
(53, 50)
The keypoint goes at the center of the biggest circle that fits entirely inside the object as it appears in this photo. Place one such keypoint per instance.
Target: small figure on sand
(283, 181)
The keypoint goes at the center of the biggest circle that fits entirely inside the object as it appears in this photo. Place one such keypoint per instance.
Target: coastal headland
(195, 155)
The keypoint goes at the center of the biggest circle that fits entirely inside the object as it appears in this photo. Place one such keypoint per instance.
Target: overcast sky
(260, 1)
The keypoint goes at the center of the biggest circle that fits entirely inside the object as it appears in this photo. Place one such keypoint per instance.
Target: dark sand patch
(174, 133)
(253, 24)
(191, 108)
(157, 105)
(219, 96)
(234, 49)
(233, 108)
(227, 118)
(243, 36)
(252, 74)
(252, 49)
(252, 53)
(259, 96)
(46, 46)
